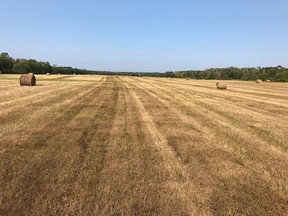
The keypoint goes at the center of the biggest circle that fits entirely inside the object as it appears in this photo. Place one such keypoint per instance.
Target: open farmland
(107, 145)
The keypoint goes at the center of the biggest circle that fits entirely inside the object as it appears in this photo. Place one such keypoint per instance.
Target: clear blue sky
(146, 35)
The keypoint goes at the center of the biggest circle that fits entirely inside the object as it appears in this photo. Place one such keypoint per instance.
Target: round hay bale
(267, 80)
(48, 74)
(259, 81)
(188, 78)
(221, 85)
(27, 80)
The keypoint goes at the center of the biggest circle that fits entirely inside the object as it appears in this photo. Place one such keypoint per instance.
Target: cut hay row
(223, 136)
(145, 146)
(226, 98)
(13, 96)
(230, 112)
(234, 111)
(241, 95)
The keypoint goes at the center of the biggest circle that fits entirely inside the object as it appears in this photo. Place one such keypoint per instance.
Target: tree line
(10, 65)
(278, 73)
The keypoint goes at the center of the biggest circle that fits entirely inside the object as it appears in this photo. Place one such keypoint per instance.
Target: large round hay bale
(27, 80)
(267, 80)
(221, 85)
(48, 74)
(259, 81)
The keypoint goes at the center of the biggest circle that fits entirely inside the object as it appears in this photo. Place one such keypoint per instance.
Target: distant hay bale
(74, 74)
(259, 81)
(48, 74)
(221, 85)
(267, 80)
(59, 74)
(27, 80)
(188, 78)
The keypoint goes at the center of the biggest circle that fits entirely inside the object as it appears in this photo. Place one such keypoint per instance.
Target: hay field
(103, 145)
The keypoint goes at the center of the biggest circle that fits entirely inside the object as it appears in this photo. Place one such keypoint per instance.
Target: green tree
(6, 63)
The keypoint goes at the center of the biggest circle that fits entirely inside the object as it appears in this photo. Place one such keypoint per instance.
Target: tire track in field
(247, 125)
(178, 171)
(37, 140)
(81, 194)
(87, 154)
(269, 189)
(134, 181)
(100, 121)
(61, 77)
(16, 112)
(277, 139)
(184, 124)
(255, 92)
(24, 107)
(65, 116)
(54, 109)
(251, 125)
(268, 108)
(70, 110)
(238, 84)
(184, 86)
(257, 115)
(26, 96)
(199, 113)
(18, 94)
(97, 147)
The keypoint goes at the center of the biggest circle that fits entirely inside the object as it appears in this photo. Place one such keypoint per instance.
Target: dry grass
(97, 145)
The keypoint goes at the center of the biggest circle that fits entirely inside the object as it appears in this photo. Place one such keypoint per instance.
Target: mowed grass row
(245, 161)
(142, 146)
(85, 159)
